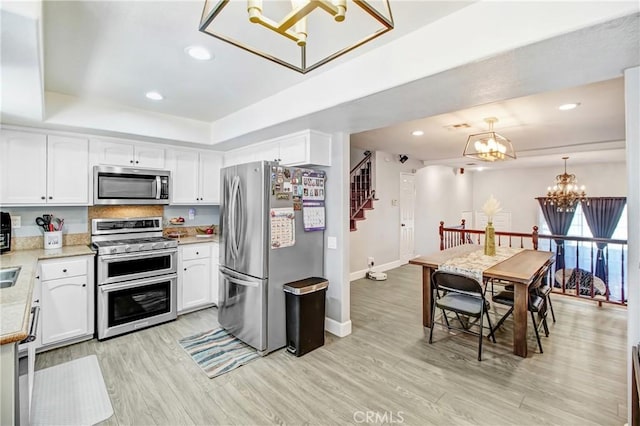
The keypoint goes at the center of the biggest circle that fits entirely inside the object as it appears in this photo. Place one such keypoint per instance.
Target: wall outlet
(370, 262)
(16, 222)
(332, 243)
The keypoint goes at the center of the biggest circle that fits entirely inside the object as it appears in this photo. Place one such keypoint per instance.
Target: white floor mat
(72, 393)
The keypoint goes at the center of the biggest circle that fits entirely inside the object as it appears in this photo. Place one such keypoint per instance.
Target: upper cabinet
(306, 148)
(195, 176)
(127, 153)
(35, 169)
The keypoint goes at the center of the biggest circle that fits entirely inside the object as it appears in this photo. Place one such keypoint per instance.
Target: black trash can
(305, 314)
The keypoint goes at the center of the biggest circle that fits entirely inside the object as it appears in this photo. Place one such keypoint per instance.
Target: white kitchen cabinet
(194, 277)
(67, 170)
(306, 148)
(127, 153)
(195, 176)
(209, 167)
(67, 303)
(39, 169)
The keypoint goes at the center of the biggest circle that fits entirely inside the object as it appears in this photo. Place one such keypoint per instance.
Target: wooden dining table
(519, 269)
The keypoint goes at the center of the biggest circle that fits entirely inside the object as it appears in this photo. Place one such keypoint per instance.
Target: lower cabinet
(65, 291)
(197, 282)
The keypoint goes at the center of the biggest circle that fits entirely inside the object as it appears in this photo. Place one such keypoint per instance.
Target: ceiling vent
(457, 126)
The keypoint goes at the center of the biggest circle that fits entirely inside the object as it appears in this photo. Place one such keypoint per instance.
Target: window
(583, 254)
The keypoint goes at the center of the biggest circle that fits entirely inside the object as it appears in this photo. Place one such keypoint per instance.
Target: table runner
(473, 264)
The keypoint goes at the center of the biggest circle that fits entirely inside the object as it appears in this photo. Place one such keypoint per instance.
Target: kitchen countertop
(15, 302)
(197, 240)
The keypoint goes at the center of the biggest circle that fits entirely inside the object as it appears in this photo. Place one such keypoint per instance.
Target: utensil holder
(52, 240)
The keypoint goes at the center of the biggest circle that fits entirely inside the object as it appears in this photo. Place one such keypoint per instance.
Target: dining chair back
(464, 296)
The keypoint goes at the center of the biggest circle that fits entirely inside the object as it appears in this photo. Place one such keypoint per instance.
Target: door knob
(185, 269)
(84, 285)
(43, 197)
(64, 270)
(402, 224)
(50, 197)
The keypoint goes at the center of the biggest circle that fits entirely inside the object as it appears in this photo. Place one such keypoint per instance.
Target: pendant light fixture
(299, 34)
(565, 193)
(489, 146)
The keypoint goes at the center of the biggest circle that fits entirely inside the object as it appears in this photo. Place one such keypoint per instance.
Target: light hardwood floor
(385, 370)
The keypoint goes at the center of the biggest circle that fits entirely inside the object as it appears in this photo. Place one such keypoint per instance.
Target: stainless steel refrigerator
(264, 244)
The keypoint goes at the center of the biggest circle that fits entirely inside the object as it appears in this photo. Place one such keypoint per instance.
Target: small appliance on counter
(5, 232)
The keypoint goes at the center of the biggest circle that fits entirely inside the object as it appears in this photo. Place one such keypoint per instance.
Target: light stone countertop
(15, 302)
(197, 240)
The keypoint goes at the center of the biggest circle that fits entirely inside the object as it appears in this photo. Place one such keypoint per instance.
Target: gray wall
(379, 235)
(337, 225)
(516, 189)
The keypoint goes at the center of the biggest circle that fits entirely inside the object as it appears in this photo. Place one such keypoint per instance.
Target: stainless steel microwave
(127, 185)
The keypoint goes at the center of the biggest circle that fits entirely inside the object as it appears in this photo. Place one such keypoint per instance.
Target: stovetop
(133, 245)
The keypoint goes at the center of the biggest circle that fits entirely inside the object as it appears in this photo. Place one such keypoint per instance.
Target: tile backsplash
(77, 220)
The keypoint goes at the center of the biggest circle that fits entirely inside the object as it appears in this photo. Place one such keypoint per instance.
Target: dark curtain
(602, 216)
(559, 223)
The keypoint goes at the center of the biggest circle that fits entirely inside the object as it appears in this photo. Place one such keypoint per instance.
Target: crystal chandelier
(489, 146)
(301, 35)
(565, 194)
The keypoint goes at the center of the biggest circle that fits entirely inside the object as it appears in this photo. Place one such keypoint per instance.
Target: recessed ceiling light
(154, 96)
(567, 107)
(199, 53)
(417, 133)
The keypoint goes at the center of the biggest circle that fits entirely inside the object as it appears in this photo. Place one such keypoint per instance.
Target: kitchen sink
(8, 276)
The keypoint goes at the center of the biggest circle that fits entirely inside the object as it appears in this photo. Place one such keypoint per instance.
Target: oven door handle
(33, 328)
(150, 253)
(138, 283)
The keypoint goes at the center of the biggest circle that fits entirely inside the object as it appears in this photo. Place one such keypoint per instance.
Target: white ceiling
(118, 50)
(112, 52)
(533, 123)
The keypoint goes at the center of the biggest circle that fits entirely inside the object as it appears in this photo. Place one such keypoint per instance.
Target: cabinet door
(267, 152)
(149, 156)
(23, 164)
(196, 286)
(185, 177)
(64, 309)
(67, 170)
(210, 164)
(294, 150)
(113, 153)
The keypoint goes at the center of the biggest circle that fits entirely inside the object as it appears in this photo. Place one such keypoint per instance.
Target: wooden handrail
(357, 166)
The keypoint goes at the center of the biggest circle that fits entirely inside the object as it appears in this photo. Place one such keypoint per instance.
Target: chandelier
(489, 146)
(565, 194)
(298, 34)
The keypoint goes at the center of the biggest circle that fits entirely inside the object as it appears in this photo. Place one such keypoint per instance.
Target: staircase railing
(361, 185)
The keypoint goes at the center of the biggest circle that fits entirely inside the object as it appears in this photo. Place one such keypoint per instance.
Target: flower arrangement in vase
(491, 207)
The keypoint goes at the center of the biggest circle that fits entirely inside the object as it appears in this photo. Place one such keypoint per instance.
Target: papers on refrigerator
(283, 227)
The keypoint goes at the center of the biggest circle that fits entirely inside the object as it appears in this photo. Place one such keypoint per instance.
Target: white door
(23, 164)
(196, 285)
(185, 177)
(210, 164)
(64, 309)
(67, 170)
(407, 215)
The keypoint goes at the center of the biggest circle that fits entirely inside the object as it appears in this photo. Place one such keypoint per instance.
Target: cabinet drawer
(68, 268)
(196, 251)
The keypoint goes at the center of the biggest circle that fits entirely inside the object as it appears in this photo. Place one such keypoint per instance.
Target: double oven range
(135, 274)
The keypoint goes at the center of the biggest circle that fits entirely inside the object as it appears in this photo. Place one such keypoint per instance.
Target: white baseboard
(340, 329)
(380, 268)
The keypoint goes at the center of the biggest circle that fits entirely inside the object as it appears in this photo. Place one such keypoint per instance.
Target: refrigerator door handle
(232, 217)
(241, 282)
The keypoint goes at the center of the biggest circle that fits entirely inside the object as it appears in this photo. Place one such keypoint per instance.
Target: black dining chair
(464, 296)
(537, 304)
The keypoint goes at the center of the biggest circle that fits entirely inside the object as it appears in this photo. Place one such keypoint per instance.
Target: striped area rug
(217, 352)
